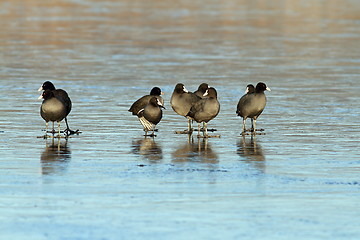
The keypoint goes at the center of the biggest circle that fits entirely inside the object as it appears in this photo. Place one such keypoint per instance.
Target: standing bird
(151, 115)
(249, 89)
(252, 104)
(201, 90)
(181, 101)
(143, 101)
(62, 96)
(205, 109)
(52, 109)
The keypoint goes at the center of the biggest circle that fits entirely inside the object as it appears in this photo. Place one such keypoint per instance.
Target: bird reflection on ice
(56, 156)
(148, 148)
(195, 151)
(252, 152)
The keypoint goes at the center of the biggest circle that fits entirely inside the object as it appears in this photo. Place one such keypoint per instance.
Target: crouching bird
(151, 115)
(144, 100)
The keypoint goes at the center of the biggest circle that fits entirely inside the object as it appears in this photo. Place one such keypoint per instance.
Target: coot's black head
(156, 91)
(47, 86)
(250, 89)
(180, 88)
(203, 87)
(261, 87)
(210, 93)
(47, 94)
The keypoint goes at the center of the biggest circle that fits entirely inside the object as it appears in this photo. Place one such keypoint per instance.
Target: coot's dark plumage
(143, 101)
(52, 109)
(201, 90)
(205, 109)
(151, 115)
(249, 89)
(62, 96)
(58, 93)
(182, 100)
(251, 105)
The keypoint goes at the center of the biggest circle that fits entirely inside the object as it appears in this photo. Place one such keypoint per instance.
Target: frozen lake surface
(298, 181)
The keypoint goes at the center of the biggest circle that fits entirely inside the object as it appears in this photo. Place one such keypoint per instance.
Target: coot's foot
(185, 132)
(209, 136)
(209, 130)
(257, 130)
(250, 132)
(69, 132)
(150, 135)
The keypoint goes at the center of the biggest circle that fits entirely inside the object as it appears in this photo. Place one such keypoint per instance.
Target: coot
(251, 105)
(143, 101)
(62, 96)
(181, 102)
(151, 115)
(205, 109)
(52, 109)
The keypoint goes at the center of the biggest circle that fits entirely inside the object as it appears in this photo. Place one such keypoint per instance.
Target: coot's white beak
(247, 90)
(40, 97)
(206, 93)
(185, 90)
(159, 103)
(40, 88)
(267, 88)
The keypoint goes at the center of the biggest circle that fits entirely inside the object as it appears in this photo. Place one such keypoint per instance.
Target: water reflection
(148, 148)
(252, 152)
(56, 156)
(195, 151)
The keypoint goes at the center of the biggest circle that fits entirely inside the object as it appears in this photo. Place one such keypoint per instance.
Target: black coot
(52, 109)
(151, 115)
(143, 101)
(251, 105)
(181, 102)
(249, 89)
(62, 96)
(205, 109)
